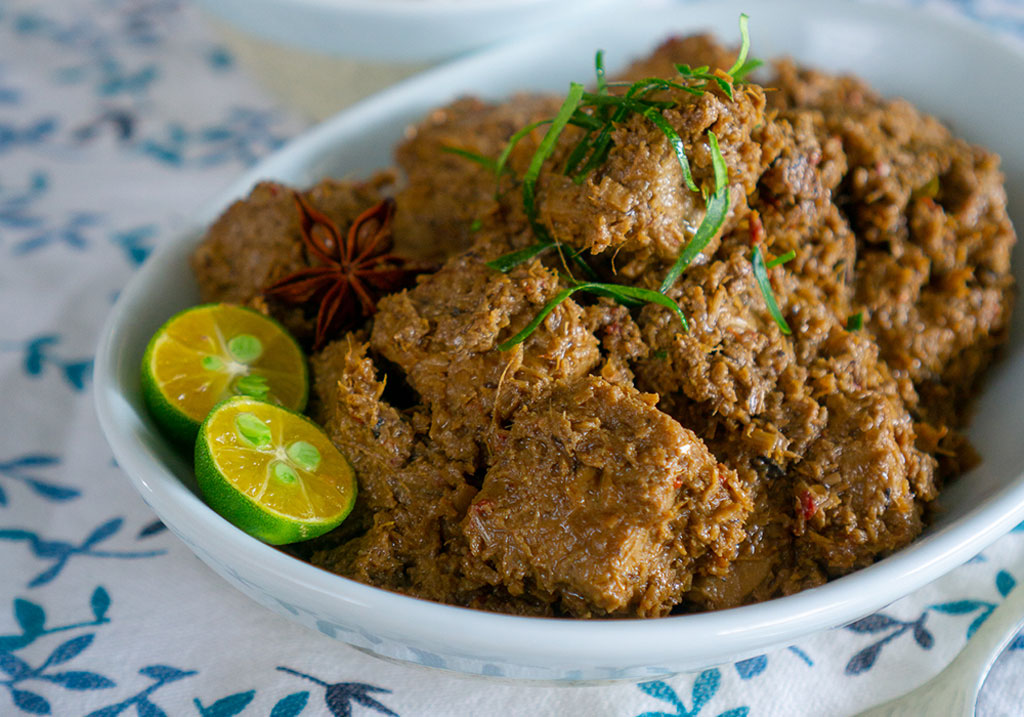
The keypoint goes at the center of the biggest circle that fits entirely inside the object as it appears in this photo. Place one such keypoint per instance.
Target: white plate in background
(398, 30)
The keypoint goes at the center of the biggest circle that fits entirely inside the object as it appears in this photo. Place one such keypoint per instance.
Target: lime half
(272, 472)
(208, 353)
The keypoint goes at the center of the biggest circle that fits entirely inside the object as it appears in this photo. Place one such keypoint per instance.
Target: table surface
(117, 118)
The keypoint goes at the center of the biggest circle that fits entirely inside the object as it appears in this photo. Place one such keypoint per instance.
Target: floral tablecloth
(117, 117)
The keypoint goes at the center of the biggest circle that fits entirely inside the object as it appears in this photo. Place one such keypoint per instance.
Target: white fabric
(117, 117)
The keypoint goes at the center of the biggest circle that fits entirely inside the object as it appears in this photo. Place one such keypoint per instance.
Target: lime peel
(210, 352)
(252, 462)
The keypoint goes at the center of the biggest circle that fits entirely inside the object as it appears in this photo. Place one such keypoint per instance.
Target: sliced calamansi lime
(272, 472)
(208, 353)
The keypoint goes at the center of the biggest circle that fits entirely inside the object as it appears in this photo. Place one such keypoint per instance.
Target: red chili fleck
(500, 438)
(612, 328)
(756, 229)
(807, 503)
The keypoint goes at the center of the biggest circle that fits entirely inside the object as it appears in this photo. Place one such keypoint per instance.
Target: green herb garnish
(749, 66)
(626, 294)
(641, 88)
(676, 142)
(929, 189)
(487, 163)
(499, 165)
(578, 119)
(599, 147)
(597, 113)
(606, 111)
(739, 70)
(855, 322)
(547, 146)
(741, 59)
(761, 276)
(702, 73)
(714, 216)
(781, 259)
(602, 84)
(507, 262)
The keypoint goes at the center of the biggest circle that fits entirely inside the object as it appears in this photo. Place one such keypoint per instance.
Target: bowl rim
(463, 630)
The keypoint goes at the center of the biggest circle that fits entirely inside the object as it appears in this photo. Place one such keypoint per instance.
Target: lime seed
(245, 348)
(285, 473)
(253, 430)
(212, 363)
(304, 455)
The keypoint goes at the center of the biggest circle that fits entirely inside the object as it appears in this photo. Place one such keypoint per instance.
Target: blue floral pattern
(23, 469)
(704, 687)
(104, 147)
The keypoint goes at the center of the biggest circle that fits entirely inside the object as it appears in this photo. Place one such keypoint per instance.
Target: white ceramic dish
(956, 72)
(396, 30)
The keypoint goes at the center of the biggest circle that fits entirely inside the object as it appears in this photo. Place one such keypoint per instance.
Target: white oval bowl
(954, 71)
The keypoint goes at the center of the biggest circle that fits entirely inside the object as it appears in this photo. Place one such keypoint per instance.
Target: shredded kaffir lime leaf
(714, 216)
(547, 146)
(602, 83)
(749, 66)
(641, 88)
(487, 163)
(929, 189)
(739, 70)
(507, 262)
(676, 142)
(761, 276)
(702, 73)
(741, 59)
(499, 165)
(781, 259)
(597, 147)
(855, 322)
(597, 113)
(578, 119)
(626, 294)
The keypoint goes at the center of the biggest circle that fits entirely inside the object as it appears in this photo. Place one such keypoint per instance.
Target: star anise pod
(349, 274)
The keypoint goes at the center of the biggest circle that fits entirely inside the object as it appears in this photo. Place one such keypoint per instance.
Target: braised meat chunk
(604, 504)
(443, 335)
(444, 193)
(934, 239)
(636, 203)
(410, 496)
